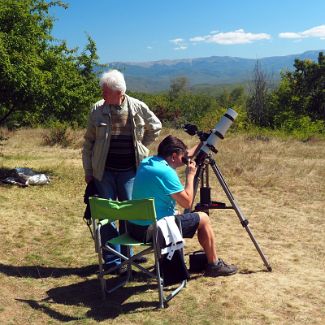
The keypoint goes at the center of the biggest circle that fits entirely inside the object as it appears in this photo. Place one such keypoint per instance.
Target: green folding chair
(103, 211)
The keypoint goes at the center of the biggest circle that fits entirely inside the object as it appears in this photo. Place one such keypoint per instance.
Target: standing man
(119, 130)
(157, 178)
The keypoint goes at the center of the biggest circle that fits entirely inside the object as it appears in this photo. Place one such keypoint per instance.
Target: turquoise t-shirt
(156, 179)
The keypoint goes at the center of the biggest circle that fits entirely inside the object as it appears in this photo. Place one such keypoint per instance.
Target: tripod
(205, 204)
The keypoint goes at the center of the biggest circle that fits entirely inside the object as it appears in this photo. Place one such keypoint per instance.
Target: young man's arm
(185, 197)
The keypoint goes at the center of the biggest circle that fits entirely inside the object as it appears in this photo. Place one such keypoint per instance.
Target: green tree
(302, 91)
(72, 84)
(230, 98)
(40, 78)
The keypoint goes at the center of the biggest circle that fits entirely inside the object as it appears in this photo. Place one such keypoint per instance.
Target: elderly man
(119, 130)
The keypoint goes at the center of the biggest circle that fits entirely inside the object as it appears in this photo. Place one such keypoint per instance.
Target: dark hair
(170, 145)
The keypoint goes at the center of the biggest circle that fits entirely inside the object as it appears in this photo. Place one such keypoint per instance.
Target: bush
(303, 128)
(59, 133)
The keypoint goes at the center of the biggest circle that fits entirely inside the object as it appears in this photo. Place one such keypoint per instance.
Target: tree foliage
(302, 92)
(201, 109)
(232, 98)
(40, 77)
(296, 105)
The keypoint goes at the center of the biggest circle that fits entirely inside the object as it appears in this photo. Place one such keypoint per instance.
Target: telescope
(203, 158)
(210, 141)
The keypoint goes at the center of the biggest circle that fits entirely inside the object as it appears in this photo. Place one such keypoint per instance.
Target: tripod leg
(197, 179)
(239, 213)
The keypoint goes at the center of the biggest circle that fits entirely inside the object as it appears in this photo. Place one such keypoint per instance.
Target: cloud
(180, 44)
(177, 41)
(315, 32)
(238, 36)
(180, 48)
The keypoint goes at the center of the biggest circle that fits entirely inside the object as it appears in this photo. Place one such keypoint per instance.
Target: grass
(48, 264)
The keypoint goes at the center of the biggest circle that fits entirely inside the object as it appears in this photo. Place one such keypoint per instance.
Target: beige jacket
(145, 126)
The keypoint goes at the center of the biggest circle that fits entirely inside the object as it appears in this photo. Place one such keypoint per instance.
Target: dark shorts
(189, 222)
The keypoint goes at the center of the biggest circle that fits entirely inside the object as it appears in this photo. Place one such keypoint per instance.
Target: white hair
(113, 79)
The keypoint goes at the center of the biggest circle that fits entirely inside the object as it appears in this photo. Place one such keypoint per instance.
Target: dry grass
(48, 262)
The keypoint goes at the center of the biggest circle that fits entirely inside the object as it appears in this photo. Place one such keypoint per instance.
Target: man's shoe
(121, 271)
(220, 269)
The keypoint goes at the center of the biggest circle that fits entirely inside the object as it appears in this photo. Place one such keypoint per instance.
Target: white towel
(171, 234)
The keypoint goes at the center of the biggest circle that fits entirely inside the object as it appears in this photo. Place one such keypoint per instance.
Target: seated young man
(156, 178)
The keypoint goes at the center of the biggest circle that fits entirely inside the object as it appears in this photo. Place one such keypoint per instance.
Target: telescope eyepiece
(185, 160)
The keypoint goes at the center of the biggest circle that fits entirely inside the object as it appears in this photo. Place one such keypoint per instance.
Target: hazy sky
(149, 30)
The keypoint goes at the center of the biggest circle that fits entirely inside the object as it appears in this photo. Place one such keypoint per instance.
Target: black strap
(88, 223)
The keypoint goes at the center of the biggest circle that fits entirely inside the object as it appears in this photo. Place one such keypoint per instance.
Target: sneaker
(220, 269)
(121, 271)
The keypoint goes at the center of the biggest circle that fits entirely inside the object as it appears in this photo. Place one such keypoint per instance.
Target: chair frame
(103, 211)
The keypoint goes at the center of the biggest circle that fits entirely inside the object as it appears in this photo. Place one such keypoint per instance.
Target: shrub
(303, 128)
(58, 133)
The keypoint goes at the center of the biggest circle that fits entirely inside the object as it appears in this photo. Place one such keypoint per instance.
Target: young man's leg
(206, 238)
(200, 221)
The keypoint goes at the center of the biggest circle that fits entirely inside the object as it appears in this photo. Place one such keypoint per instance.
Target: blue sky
(150, 30)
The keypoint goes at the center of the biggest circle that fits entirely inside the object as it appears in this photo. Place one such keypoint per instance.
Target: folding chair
(103, 211)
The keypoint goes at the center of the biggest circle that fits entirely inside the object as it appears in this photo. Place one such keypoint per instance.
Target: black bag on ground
(198, 261)
(173, 271)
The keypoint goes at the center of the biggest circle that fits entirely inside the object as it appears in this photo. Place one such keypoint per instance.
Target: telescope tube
(217, 134)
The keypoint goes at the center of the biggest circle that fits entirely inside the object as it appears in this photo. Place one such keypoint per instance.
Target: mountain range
(155, 76)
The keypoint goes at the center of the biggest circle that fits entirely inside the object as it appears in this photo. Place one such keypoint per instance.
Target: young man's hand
(191, 168)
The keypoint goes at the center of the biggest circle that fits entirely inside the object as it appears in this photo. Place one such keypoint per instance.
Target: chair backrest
(125, 210)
